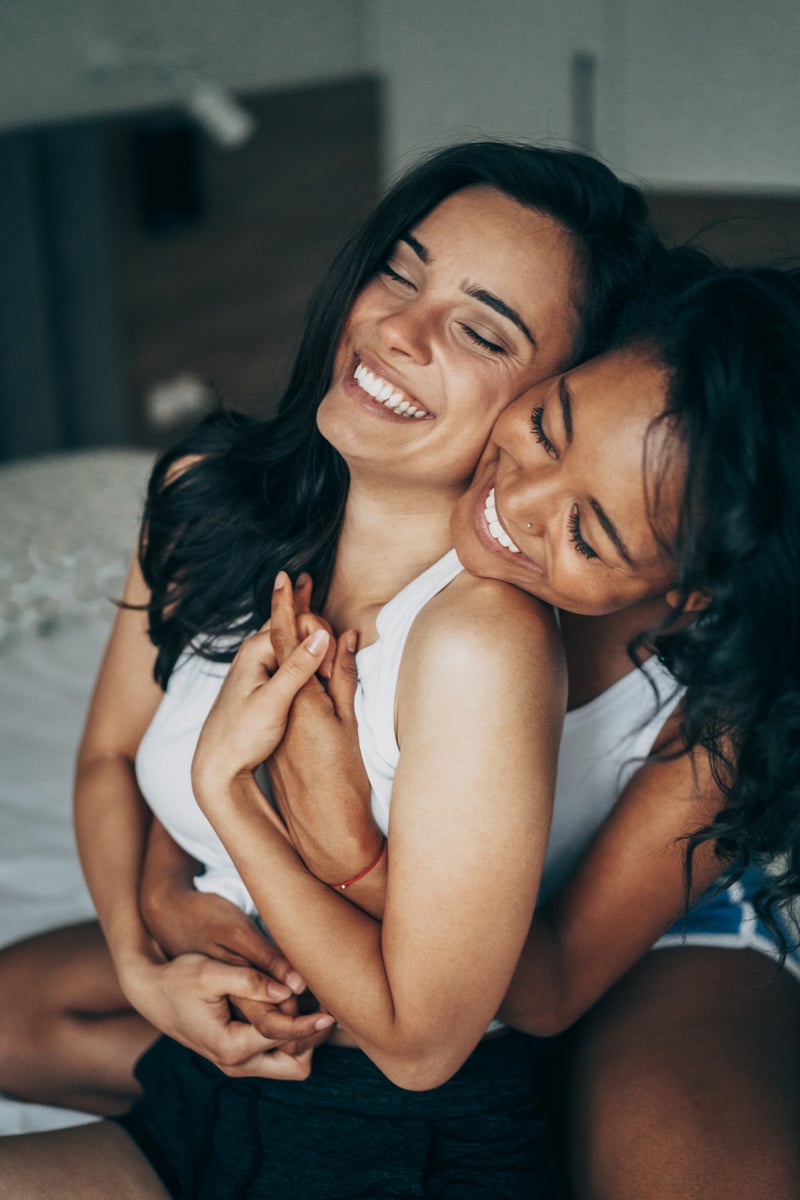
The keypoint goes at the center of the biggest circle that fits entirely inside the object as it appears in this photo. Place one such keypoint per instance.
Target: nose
(530, 482)
(409, 330)
(529, 499)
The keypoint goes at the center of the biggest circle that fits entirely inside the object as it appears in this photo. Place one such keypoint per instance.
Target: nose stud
(529, 525)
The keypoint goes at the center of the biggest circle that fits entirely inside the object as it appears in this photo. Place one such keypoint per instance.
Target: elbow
(543, 1020)
(418, 1072)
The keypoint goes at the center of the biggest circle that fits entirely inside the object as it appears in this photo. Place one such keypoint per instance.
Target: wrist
(359, 851)
(365, 870)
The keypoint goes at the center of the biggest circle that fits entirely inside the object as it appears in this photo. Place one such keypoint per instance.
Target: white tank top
(602, 744)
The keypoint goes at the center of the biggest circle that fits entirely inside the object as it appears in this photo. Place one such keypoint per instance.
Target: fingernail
(296, 982)
(278, 991)
(324, 1022)
(318, 641)
(281, 579)
(351, 641)
(302, 578)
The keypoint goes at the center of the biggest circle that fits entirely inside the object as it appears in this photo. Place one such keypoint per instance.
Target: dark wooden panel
(223, 295)
(737, 229)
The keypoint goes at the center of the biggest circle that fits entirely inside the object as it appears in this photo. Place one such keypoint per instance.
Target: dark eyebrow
(417, 247)
(566, 406)
(501, 307)
(612, 532)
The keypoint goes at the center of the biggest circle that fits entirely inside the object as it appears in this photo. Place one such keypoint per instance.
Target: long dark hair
(268, 495)
(730, 342)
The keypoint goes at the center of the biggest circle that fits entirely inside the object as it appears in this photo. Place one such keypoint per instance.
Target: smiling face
(475, 303)
(559, 502)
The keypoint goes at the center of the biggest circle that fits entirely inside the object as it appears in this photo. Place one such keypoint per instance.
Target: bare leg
(686, 1082)
(91, 1162)
(68, 1036)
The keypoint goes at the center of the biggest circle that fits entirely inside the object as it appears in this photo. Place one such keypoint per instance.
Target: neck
(597, 647)
(386, 541)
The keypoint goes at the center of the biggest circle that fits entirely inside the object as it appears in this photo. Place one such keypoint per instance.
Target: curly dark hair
(266, 495)
(730, 342)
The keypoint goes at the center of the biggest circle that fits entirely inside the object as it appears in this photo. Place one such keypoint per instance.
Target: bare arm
(187, 998)
(624, 895)
(470, 815)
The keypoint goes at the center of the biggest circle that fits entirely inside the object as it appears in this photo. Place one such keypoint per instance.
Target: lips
(496, 530)
(384, 392)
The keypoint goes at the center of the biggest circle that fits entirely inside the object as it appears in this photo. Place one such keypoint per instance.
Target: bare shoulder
(484, 624)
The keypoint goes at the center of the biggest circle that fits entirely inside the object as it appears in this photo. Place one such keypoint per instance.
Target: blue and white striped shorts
(729, 920)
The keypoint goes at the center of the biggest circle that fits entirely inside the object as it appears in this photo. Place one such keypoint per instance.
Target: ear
(695, 602)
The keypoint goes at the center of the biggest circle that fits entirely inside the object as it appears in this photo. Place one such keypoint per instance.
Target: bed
(68, 525)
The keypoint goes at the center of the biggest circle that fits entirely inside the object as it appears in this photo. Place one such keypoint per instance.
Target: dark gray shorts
(347, 1133)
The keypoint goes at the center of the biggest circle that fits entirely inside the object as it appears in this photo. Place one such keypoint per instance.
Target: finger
(218, 980)
(280, 1027)
(256, 656)
(243, 939)
(303, 587)
(284, 626)
(344, 676)
(275, 1064)
(238, 1043)
(301, 665)
(307, 622)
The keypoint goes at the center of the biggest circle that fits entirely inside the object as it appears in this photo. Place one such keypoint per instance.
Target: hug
(438, 796)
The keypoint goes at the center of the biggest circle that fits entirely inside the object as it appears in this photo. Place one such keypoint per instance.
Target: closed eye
(483, 342)
(388, 270)
(539, 433)
(580, 545)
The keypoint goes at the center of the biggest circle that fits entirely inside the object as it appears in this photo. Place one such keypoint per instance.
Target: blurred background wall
(174, 176)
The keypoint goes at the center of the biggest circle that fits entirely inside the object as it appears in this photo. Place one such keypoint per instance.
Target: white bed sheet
(67, 528)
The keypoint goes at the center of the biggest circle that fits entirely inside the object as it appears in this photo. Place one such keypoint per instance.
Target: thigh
(67, 969)
(92, 1162)
(685, 1081)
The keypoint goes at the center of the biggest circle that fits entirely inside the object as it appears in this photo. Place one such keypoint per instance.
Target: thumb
(344, 676)
(301, 666)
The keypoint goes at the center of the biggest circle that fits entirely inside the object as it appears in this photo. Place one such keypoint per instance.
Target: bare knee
(684, 1082)
(89, 1163)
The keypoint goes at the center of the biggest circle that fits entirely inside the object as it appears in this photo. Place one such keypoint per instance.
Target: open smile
(385, 393)
(496, 530)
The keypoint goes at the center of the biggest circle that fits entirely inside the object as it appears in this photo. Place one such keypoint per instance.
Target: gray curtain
(62, 376)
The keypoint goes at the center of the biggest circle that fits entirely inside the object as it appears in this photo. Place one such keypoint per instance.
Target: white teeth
(384, 392)
(495, 528)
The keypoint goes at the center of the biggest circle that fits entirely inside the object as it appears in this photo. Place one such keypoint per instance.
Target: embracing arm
(624, 895)
(188, 997)
(478, 726)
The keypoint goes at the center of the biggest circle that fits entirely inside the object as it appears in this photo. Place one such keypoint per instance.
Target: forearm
(111, 824)
(538, 1000)
(335, 940)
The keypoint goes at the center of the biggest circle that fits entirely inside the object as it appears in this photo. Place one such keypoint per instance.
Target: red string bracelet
(341, 887)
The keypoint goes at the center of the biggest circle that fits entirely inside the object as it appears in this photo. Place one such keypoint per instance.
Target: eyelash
(580, 545)
(484, 343)
(539, 433)
(388, 269)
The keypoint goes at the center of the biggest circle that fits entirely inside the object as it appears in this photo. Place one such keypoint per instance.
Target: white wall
(67, 58)
(710, 92)
(464, 68)
(689, 93)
